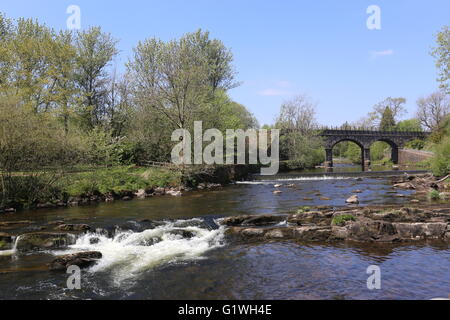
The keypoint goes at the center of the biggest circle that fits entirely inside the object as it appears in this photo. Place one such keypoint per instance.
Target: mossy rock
(44, 241)
(342, 220)
(304, 209)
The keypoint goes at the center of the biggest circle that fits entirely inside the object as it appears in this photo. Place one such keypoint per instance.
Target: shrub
(434, 195)
(440, 164)
(341, 220)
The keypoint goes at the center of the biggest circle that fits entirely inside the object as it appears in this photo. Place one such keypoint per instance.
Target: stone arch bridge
(365, 139)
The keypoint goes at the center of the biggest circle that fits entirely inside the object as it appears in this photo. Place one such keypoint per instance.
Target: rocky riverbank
(371, 224)
(87, 199)
(424, 184)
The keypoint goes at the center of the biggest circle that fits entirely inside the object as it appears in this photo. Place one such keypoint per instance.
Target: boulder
(353, 200)
(160, 192)
(311, 233)
(254, 220)
(82, 260)
(402, 215)
(263, 220)
(183, 233)
(73, 227)
(251, 232)
(421, 231)
(174, 193)
(312, 217)
(370, 230)
(44, 241)
(279, 233)
(339, 233)
(405, 185)
(141, 194)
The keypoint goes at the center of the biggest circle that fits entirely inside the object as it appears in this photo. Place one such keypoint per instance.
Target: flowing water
(173, 248)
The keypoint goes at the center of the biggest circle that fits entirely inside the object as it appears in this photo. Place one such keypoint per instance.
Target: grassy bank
(54, 188)
(27, 190)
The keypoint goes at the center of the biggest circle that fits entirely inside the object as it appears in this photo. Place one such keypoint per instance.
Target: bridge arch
(330, 148)
(394, 148)
(365, 139)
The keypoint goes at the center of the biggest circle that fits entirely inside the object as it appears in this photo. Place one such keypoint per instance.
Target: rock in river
(44, 241)
(82, 260)
(73, 227)
(353, 200)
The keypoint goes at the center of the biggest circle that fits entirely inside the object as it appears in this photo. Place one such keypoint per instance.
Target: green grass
(118, 179)
(434, 195)
(341, 220)
(303, 210)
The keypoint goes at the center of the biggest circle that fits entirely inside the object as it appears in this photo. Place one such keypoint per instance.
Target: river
(206, 265)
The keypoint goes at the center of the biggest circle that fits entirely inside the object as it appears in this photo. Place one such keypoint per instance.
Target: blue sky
(321, 48)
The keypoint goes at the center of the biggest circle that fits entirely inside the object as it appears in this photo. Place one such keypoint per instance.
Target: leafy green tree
(95, 51)
(442, 55)
(396, 106)
(387, 121)
(410, 125)
(221, 74)
(300, 142)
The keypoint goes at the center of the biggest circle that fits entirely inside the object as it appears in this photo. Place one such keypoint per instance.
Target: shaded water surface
(205, 265)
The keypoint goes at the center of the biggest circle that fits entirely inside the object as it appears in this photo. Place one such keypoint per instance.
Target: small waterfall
(126, 253)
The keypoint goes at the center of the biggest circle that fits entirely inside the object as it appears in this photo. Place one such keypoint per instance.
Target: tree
(28, 63)
(387, 121)
(300, 141)
(442, 55)
(433, 109)
(410, 125)
(218, 57)
(396, 106)
(178, 79)
(440, 163)
(95, 51)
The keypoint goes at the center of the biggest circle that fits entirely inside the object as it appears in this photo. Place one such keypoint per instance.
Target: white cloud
(274, 93)
(376, 54)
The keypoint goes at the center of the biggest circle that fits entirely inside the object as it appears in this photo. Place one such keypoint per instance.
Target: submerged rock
(73, 227)
(253, 220)
(82, 260)
(183, 233)
(44, 241)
